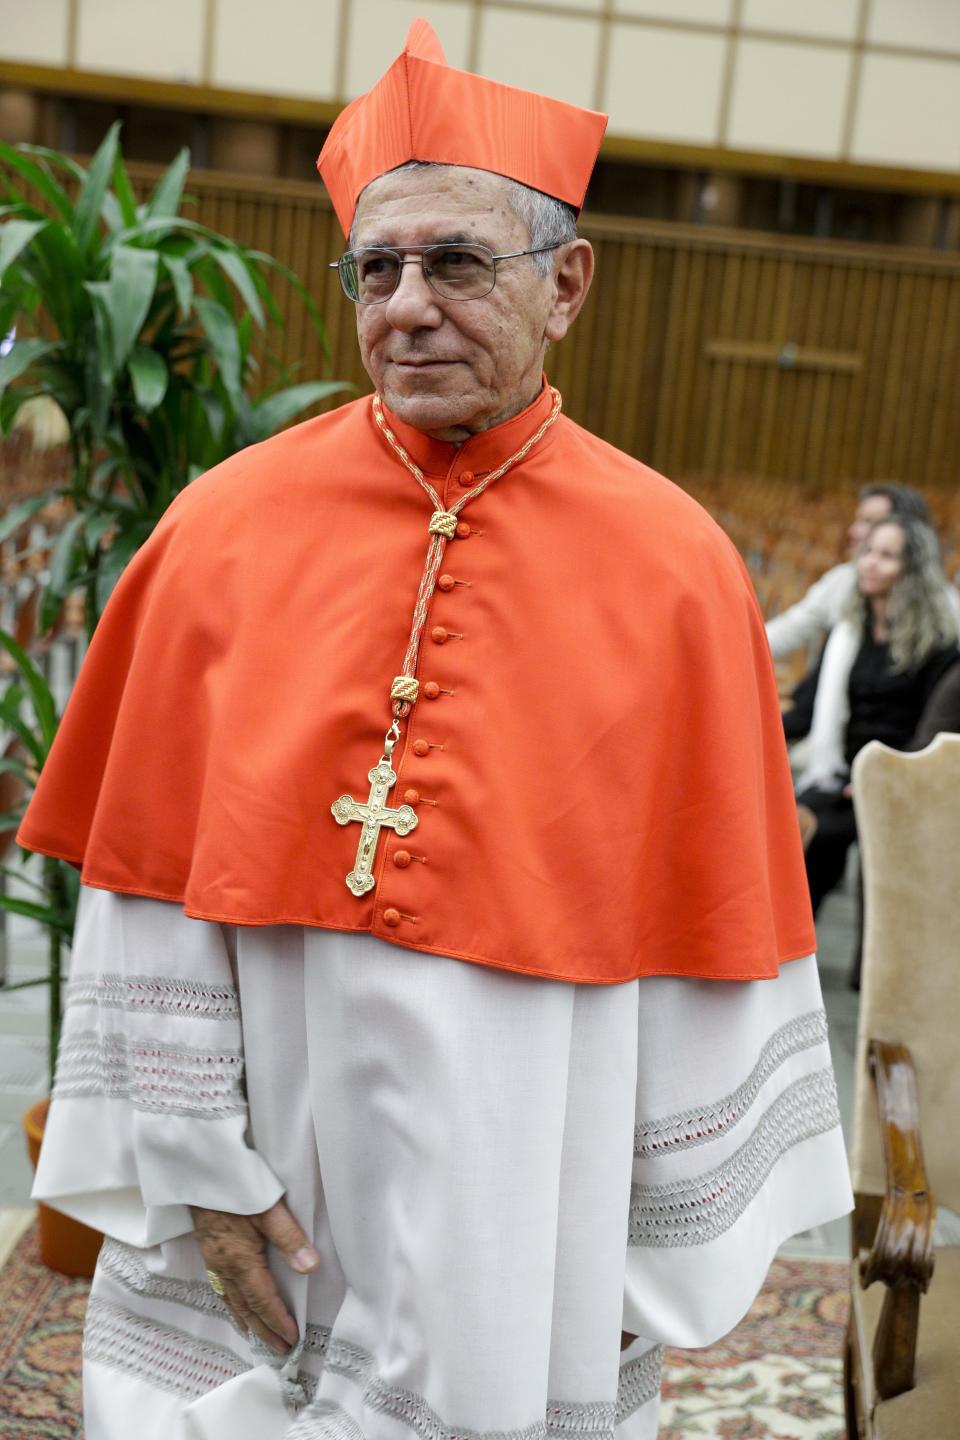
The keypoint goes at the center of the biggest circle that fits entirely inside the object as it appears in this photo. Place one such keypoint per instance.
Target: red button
(463, 530)
(421, 747)
(391, 917)
(431, 690)
(411, 797)
(402, 859)
(439, 636)
(446, 582)
(467, 478)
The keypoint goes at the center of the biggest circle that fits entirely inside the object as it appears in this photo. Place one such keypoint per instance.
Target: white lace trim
(157, 995)
(639, 1382)
(175, 1360)
(124, 1265)
(692, 1212)
(166, 1079)
(159, 1354)
(326, 1421)
(568, 1420)
(687, 1128)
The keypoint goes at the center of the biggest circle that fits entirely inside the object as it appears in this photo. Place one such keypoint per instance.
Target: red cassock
(596, 760)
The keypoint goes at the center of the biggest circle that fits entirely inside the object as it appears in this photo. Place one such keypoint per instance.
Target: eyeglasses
(457, 272)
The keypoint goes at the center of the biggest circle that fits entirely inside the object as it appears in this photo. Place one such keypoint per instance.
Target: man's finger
(260, 1295)
(235, 1308)
(274, 1314)
(247, 1319)
(279, 1227)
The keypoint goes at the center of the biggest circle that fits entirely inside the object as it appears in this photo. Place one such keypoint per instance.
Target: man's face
(453, 367)
(872, 508)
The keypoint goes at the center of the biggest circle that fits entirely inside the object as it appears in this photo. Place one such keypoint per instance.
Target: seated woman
(879, 666)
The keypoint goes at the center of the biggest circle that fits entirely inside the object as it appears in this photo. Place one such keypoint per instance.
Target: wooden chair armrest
(902, 1252)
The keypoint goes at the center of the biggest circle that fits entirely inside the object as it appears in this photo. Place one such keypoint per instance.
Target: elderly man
(442, 1003)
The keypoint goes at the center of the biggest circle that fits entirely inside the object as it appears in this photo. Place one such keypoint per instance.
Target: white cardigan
(826, 761)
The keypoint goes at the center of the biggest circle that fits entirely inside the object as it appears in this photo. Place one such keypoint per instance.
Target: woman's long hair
(920, 618)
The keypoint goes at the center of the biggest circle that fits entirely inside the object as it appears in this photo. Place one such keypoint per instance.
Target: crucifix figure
(373, 816)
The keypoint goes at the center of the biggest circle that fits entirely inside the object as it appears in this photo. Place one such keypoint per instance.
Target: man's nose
(413, 305)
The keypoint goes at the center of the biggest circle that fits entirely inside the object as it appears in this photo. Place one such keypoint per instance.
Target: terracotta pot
(65, 1244)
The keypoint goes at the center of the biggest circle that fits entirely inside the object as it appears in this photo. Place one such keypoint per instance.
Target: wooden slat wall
(636, 368)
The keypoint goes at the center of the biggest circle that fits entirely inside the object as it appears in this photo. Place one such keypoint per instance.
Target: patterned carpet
(41, 1320)
(776, 1377)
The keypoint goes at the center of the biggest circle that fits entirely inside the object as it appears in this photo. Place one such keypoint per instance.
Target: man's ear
(572, 281)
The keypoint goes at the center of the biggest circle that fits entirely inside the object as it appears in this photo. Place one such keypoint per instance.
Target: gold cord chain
(442, 527)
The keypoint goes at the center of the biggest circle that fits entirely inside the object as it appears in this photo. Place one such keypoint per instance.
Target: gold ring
(216, 1284)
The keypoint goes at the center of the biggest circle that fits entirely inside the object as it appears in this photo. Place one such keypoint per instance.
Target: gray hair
(548, 221)
(920, 617)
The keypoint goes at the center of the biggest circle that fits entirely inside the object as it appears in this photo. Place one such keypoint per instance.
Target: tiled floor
(23, 1058)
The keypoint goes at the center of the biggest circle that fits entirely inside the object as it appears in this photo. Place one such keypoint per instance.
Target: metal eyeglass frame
(423, 251)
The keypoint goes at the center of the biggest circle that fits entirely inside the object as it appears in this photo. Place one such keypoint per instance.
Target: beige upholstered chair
(902, 1366)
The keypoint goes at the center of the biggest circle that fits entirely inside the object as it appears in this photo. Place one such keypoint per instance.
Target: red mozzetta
(597, 754)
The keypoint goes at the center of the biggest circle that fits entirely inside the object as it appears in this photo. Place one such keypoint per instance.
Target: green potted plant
(28, 714)
(141, 340)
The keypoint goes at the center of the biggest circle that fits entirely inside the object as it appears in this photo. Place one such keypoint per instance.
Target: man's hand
(234, 1247)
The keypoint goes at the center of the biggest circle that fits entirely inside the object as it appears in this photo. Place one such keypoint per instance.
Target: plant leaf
(19, 514)
(15, 235)
(112, 214)
(124, 192)
(39, 177)
(57, 159)
(41, 695)
(21, 728)
(24, 354)
(113, 562)
(99, 356)
(55, 919)
(96, 524)
(274, 411)
(98, 377)
(221, 330)
(61, 561)
(133, 278)
(22, 879)
(263, 287)
(179, 272)
(14, 767)
(313, 310)
(208, 272)
(165, 200)
(94, 188)
(234, 266)
(149, 375)
(212, 409)
(54, 268)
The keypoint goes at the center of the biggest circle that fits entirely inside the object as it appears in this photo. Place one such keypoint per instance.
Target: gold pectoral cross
(373, 816)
